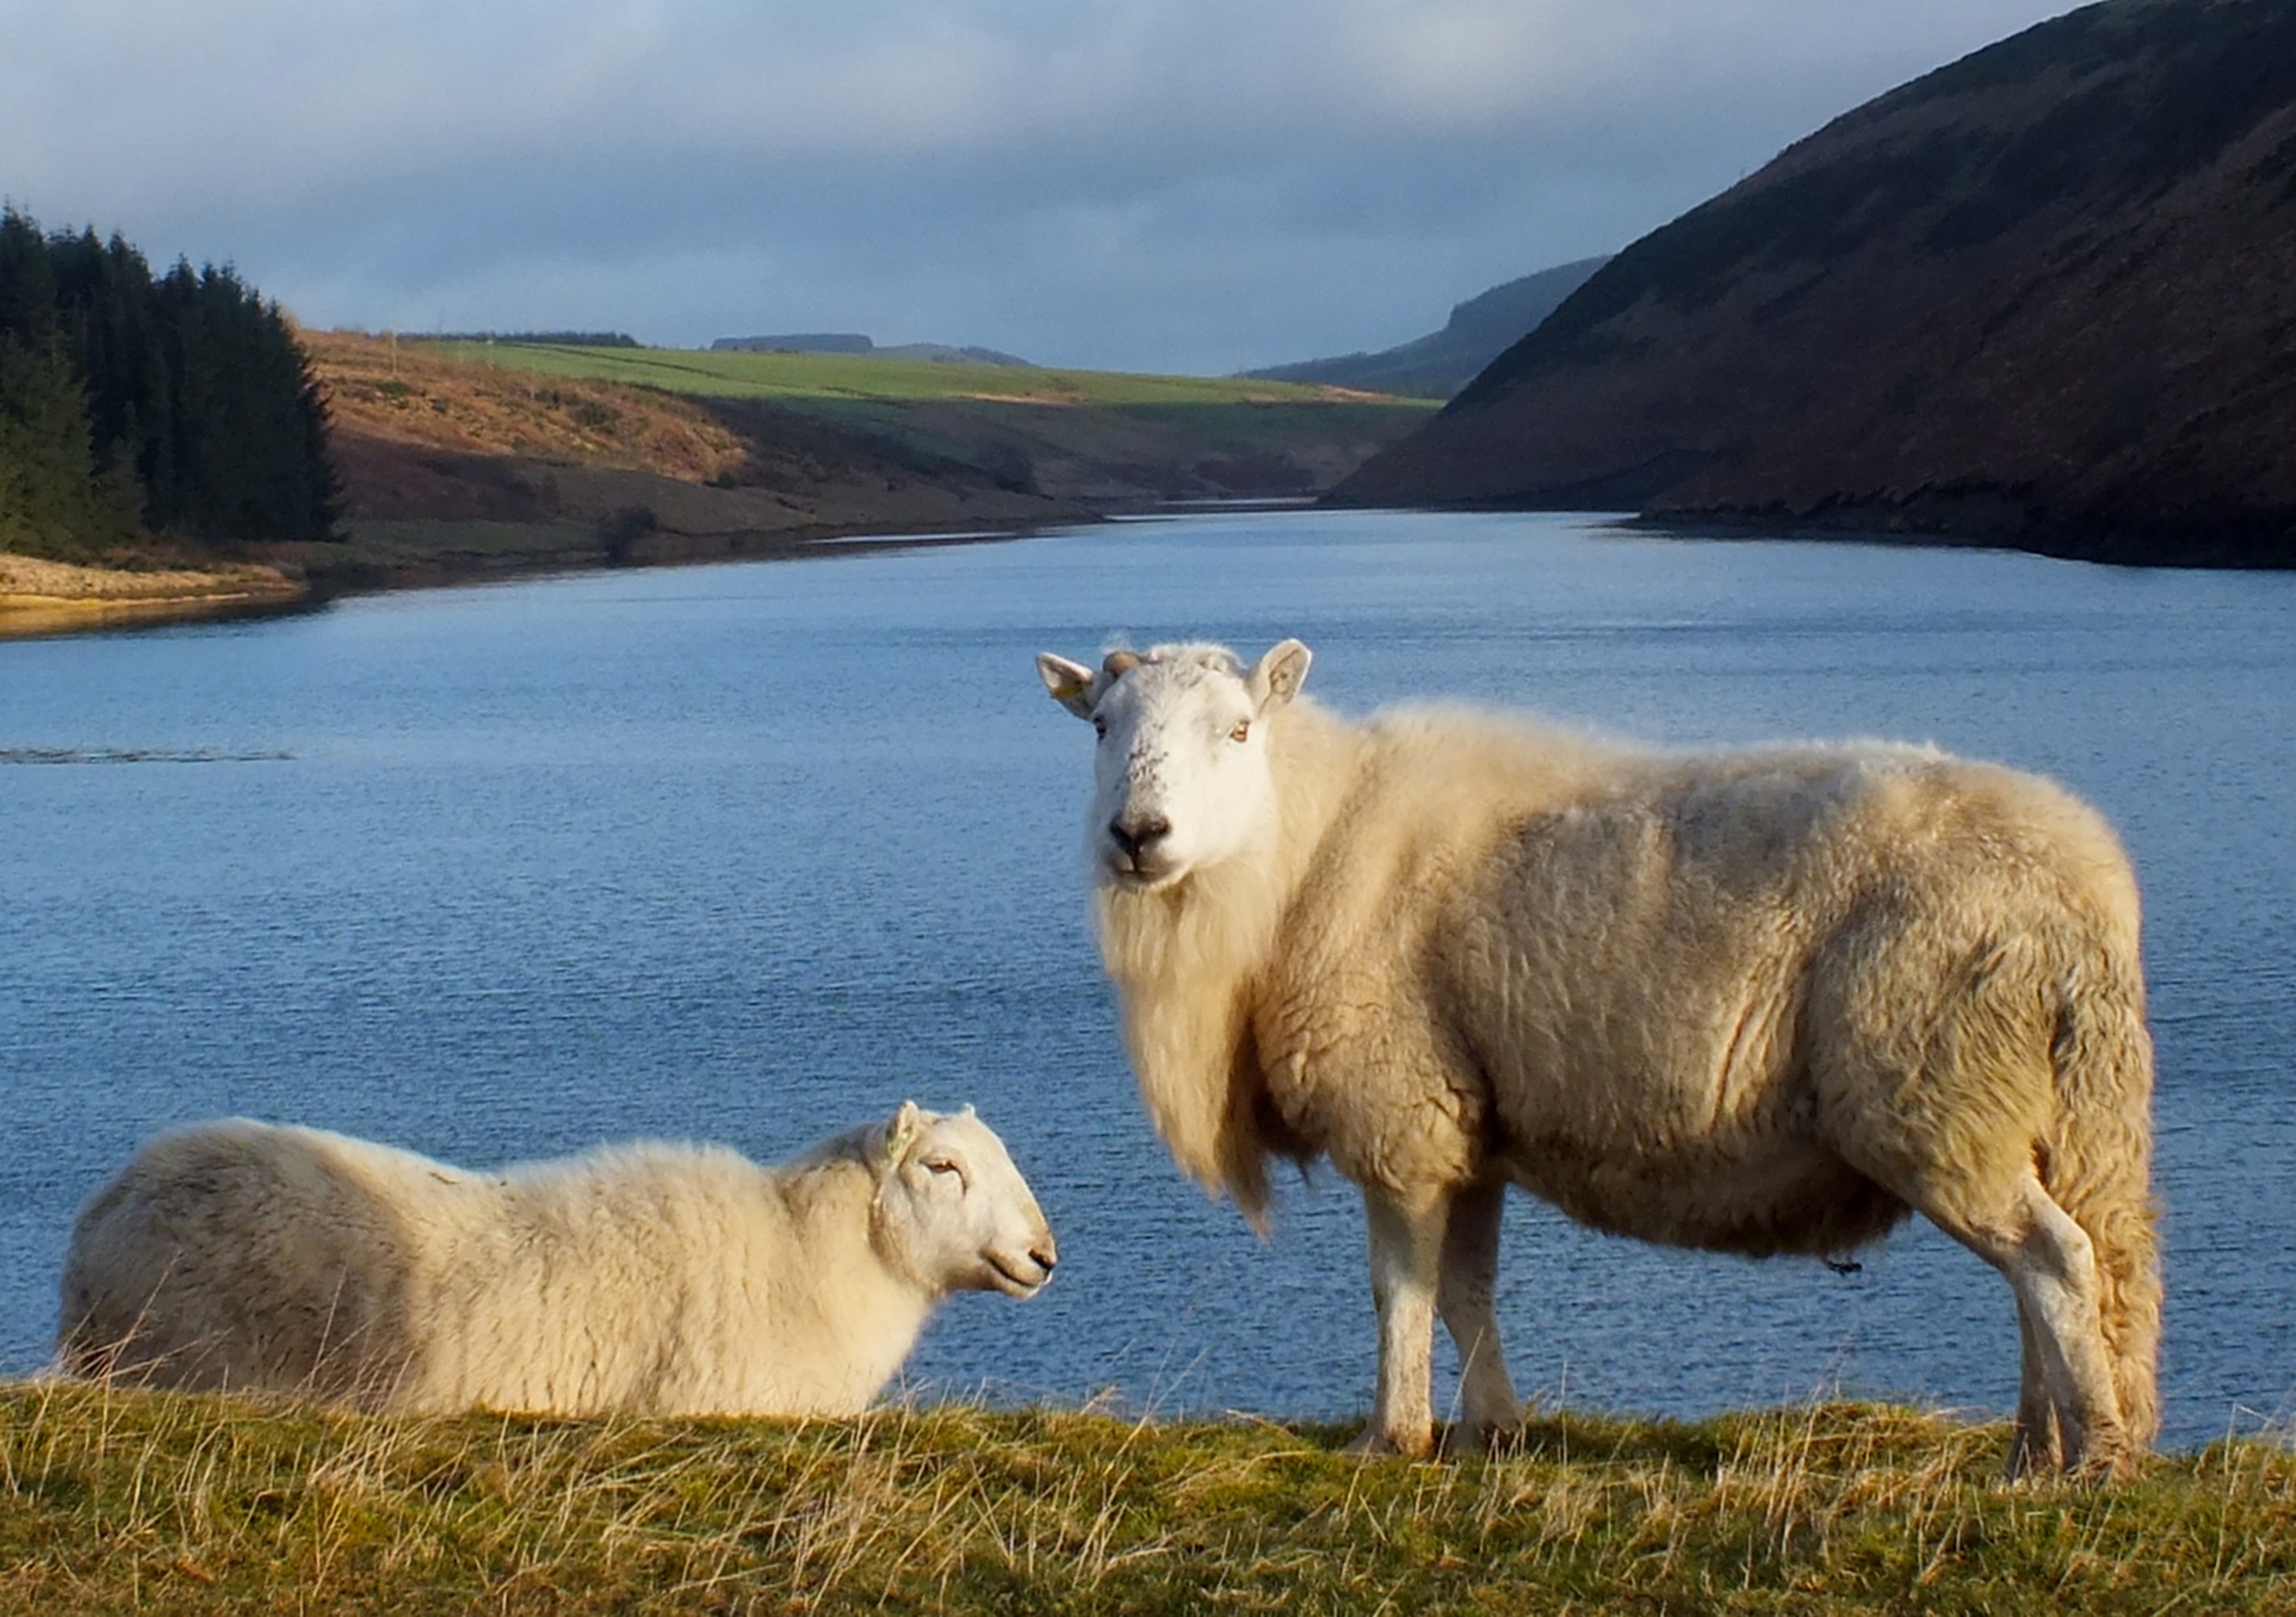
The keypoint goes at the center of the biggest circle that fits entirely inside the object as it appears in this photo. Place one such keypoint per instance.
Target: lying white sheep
(649, 1278)
(1760, 1002)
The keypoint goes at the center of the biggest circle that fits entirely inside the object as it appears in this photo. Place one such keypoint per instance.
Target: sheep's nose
(1047, 1257)
(1140, 836)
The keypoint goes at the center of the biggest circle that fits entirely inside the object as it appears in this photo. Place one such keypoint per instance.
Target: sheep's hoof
(1374, 1443)
(2106, 1462)
(2031, 1454)
(1465, 1438)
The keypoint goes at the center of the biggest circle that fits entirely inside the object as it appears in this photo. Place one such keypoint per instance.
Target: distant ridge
(2041, 297)
(796, 342)
(853, 342)
(562, 339)
(1440, 364)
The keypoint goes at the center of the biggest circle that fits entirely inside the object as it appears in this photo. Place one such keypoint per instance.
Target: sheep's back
(239, 1255)
(667, 1279)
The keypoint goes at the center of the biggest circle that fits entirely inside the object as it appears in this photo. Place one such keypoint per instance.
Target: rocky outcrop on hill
(2043, 297)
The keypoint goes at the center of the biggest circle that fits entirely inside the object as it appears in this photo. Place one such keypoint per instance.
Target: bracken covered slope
(2045, 296)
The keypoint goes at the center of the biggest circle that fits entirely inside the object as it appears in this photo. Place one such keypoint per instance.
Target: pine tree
(48, 504)
(183, 403)
(103, 294)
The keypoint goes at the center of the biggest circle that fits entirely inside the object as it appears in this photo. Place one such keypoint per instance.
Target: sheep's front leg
(1490, 1416)
(1407, 1242)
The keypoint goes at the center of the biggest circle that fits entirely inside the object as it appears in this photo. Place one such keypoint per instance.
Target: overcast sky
(1197, 186)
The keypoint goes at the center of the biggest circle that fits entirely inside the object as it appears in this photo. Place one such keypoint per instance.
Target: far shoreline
(40, 599)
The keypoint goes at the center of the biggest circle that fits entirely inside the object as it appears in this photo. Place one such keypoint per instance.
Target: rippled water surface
(750, 853)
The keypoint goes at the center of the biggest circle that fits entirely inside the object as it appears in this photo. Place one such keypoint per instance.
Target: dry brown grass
(119, 1501)
(409, 394)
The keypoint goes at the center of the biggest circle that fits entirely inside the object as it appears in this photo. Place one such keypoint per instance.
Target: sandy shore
(41, 597)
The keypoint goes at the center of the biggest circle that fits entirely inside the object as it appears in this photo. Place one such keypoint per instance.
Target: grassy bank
(117, 1501)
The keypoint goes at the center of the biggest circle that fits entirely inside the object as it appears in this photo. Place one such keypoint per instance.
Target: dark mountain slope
(1440, 364)
(2046, 296)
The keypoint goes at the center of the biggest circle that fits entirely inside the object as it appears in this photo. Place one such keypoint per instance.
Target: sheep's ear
(1280, 675)
(1071, 682)
(901, 1132)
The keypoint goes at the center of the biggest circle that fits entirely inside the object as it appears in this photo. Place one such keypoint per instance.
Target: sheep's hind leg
(2033, 1442)
(2051, 1265)
(1406, 1241)
(1490, 1416)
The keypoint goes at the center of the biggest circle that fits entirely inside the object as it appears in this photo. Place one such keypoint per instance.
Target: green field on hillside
(823, 376)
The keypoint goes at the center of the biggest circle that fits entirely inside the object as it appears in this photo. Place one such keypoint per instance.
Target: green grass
(116, 1501)
(854, 376)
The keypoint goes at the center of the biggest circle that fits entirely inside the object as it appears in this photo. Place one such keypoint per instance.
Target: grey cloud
(1146, 183)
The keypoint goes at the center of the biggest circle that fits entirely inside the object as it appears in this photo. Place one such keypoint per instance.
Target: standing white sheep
(649, 1278)
(1758, 1002)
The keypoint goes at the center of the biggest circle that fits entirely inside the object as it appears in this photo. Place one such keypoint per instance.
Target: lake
(750, 853)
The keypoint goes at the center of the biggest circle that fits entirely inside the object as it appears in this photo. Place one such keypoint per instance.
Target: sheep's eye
(940, 1165)
(1242, 729)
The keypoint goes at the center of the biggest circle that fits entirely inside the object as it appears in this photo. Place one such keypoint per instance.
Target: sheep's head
(1182, 773)
(953, 1209)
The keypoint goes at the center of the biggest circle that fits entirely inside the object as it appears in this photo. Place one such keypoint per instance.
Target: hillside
(451, 467)
(462, 458)
(1441, 362)
(1107, 439)
(2040, 297)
